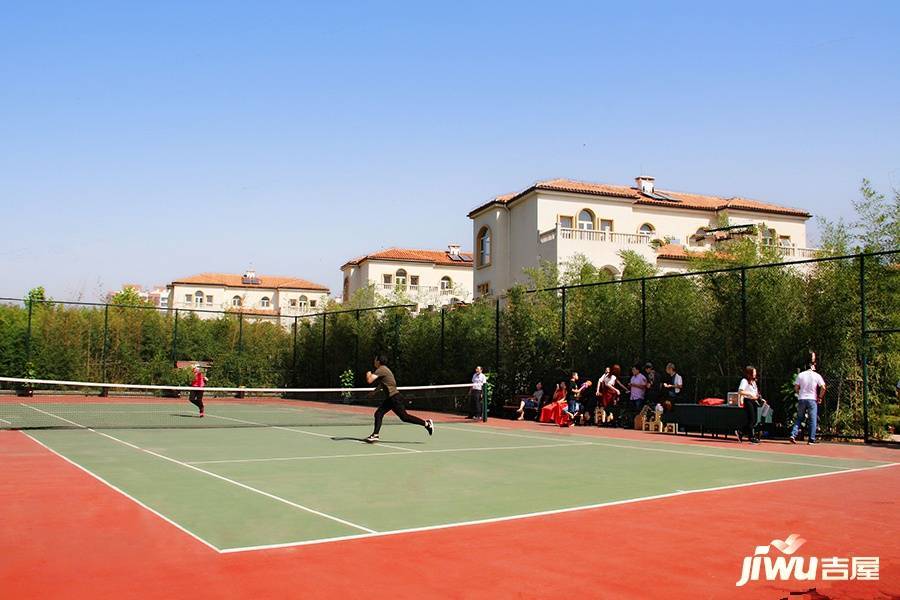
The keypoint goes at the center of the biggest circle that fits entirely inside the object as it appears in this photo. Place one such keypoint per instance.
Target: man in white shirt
(810, 389)
(478, 381)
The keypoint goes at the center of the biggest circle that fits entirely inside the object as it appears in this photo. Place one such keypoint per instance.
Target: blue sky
(147, 141)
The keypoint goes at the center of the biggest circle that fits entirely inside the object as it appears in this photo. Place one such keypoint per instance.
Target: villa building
(426, 277)
(260, 296)
(555, 220)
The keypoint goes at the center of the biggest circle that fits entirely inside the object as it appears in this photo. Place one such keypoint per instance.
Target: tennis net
(52, 404)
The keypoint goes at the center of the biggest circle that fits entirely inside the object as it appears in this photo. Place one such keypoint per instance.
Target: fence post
(103, 350)
(643, 319)
(240, 352)
(324, 333)
(356, 350)
(562, 328)
(497, 339)
(744, 359)
(442, 341)
(294, 352)
(864, 350)
(175, 340)
(28, 339)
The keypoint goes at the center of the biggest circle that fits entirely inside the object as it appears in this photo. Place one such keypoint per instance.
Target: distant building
(157, 296)
(260, 296)
(553, 221)
(426, 277)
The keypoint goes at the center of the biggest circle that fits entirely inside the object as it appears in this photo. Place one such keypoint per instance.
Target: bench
(511, 408)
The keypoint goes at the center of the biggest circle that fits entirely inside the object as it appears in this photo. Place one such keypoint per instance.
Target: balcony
(413, 290)
(595, 235)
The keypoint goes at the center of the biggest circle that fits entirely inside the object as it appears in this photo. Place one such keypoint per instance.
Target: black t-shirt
(385, 383)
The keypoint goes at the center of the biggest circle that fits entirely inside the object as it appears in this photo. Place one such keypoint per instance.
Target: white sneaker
(429, 426)
(371, 439)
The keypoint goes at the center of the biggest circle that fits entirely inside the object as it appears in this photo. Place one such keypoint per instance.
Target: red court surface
(66, 535)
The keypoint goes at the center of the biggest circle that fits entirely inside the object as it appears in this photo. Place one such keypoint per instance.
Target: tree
(36, 295)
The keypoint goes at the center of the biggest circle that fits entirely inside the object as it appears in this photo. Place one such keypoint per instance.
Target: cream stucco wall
(251, 298)
(526, 233)
(427, 293)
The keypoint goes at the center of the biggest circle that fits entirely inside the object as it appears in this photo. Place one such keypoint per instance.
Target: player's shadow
(356, 439)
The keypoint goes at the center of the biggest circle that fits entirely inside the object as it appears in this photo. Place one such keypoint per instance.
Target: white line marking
(672, 451)
(124, 493)
(295, 430)
(360, 455)
(549, 512)
(215, 475)
(7, 422)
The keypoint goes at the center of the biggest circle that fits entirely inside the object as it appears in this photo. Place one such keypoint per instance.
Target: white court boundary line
(546, 512)
(359, 455)
(122, 492)
(487, 430)
(490, 520)
(295, 430)
(214, 475)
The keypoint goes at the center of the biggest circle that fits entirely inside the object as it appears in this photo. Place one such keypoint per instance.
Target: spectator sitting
(533, 402)
(672, 388)
(551, 411)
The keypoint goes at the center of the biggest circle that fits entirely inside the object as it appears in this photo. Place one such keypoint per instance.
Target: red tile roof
(672, 252)
(265, 281)
(437, 257)
(681, 199)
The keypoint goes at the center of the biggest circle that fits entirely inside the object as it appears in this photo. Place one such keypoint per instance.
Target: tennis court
(262, 475)
(240, 488)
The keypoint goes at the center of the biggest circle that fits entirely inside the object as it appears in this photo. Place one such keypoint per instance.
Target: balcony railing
(795, 252)
(595, 235)
(413, 290)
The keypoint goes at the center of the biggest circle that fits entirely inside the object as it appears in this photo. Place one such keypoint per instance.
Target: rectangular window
(484, 289)
(209, 300)
(387, 278)
(606, 225)
(565, 222)
(312, 303)
(293, 302)
(414, 280)
(187, 298)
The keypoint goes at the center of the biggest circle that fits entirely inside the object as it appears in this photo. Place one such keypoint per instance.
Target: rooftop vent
(645, 184)
(249, 278)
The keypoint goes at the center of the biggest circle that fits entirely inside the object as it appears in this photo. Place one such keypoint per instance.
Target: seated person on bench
(533, 402)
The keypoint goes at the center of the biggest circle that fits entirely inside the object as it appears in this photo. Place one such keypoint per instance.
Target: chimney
(644, 183)
(453, 249)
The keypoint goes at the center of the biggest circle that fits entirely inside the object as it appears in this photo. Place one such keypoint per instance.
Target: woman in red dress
(555, 410)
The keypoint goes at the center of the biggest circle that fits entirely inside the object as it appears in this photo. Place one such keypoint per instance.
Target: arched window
(446, 284)
(646, 229)
(236, 301)
(400, 279)
(484, 246)
(198, 298)
(304, 302)
(265, 302)
(586, 220)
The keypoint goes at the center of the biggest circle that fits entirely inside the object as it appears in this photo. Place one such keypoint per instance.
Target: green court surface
(241, 488)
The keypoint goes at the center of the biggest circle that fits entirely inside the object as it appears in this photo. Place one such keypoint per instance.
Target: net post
(104, 392)
(442, 340)
(864, 348)
(744, 359)
(486, 399)
(496, 350)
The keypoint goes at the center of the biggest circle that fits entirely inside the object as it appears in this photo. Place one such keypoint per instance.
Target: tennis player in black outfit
(385, 383)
